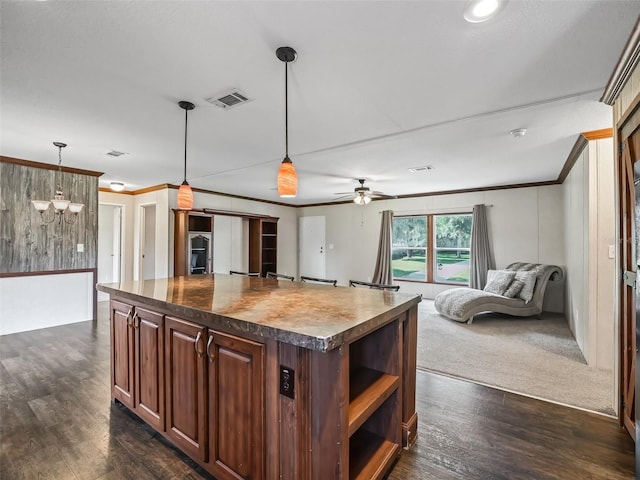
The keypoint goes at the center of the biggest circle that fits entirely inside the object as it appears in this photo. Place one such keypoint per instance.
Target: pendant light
(185, 194)
(287, 177)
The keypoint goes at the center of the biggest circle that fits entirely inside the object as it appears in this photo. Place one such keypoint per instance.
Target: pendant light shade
(287, 179)
(287, 176)
(185, 197)
(185, 194)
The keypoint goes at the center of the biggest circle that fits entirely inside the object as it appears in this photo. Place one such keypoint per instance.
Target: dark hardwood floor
(57, 422)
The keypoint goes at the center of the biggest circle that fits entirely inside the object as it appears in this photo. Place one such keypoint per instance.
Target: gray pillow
(529, 279)
(498, 281)
(514, 289)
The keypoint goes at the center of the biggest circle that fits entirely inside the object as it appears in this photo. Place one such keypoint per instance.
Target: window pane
(452, 266)
(452, 242)
(409, 254)
(410, 232)
(409, 263)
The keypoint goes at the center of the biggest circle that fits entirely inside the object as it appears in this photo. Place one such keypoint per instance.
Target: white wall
(61, 299)
(589, 199)
(525, 224)
(127, 203)
(576, 245)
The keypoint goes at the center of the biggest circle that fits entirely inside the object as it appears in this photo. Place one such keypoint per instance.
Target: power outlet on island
(287, 381)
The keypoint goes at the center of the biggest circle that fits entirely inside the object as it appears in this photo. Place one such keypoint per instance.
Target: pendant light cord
(286, 110)
(186, 112)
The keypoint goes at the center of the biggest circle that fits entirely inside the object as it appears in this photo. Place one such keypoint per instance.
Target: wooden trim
(108, 190)
(574, 154)
(48, 166)
(624, 68)
(631, 121)
(46, 272)
(231, 195)
(598, 134)
(628, 112)
(154, 188)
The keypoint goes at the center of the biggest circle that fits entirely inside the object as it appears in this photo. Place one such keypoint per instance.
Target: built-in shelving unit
(263, 245)
(375, 403)
(193, 232)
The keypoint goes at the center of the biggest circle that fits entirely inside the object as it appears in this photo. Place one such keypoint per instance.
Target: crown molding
(48, 166)
(624, 68)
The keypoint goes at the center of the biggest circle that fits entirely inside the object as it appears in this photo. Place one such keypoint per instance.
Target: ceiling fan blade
(350, 195)
(344, 193)
(381, 195)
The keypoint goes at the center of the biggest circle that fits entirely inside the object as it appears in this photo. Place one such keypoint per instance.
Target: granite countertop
(312, 316)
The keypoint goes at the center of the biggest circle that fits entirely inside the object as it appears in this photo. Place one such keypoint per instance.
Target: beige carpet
(524, 355)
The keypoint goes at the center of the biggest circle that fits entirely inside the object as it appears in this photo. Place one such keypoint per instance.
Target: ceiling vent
(115, 153)
(229, 99)
(422, 168)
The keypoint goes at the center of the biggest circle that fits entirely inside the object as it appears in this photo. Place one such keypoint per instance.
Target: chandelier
(60, 206)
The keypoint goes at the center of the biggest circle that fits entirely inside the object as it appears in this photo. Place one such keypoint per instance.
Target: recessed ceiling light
(422, 168)
(117, 186)
(518, 132)
(478, 11)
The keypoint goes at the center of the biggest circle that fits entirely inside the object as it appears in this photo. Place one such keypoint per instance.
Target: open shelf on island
(368, 390)
(370, 455)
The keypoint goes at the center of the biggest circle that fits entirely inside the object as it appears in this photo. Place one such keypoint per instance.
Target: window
(432, 248)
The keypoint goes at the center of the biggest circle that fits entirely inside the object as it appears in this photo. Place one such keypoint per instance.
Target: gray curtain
(382, 272)
(481, 260)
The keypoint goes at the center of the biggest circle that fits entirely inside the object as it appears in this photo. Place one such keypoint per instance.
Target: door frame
(121, 239)
(139, 273)
(628, 375)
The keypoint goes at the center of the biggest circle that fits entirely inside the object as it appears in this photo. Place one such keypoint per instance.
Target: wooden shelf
(370, 456)
(368, 390)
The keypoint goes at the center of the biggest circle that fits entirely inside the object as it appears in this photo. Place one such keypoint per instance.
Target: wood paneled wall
(28, 245)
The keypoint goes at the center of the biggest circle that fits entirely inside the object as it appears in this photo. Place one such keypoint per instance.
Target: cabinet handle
(129, 320)
(209, 348)
(136, 320)
(197, 345)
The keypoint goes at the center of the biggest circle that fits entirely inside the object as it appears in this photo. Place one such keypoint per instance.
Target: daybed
(461, 304)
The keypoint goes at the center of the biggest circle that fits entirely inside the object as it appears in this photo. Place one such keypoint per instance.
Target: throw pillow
(514, 289)
(529, 279)
(498, 281)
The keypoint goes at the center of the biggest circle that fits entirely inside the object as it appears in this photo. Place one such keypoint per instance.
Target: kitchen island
(264, 379)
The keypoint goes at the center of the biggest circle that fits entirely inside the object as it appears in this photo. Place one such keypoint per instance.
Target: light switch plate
(80, 247)
(612, 251)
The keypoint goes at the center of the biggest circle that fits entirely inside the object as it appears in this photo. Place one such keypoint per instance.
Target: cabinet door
(236, 407)
(149, 367)
(122, 345)
(185, 370)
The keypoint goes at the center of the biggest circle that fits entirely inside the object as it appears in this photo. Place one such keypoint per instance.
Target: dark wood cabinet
(122, 357)
(263, 245)
(186, 381)
(236, 407)
(149, 366)
(137, 368)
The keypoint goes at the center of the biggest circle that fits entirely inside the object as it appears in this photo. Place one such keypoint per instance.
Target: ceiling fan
(363, 195)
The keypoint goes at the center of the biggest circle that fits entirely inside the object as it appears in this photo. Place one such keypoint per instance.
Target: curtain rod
(435, 210)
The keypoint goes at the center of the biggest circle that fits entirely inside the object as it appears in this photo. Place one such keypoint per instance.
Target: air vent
(423, 168)
(115, 153)
(229, 99)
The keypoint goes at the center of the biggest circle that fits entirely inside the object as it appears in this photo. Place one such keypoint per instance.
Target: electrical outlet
(287, 382)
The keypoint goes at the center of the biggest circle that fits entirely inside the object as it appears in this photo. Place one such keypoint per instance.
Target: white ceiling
(378, 87)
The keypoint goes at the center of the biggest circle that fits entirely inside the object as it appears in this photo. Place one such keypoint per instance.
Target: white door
(312, 249)
(109, 235)
(148, 241)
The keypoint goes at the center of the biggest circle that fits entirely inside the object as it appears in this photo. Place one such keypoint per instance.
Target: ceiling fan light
(287, 179)
(185, 196)
(362, 199)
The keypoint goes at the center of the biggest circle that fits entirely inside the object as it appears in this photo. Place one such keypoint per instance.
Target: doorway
(147, 241)
(109, 245)
(312, 246)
